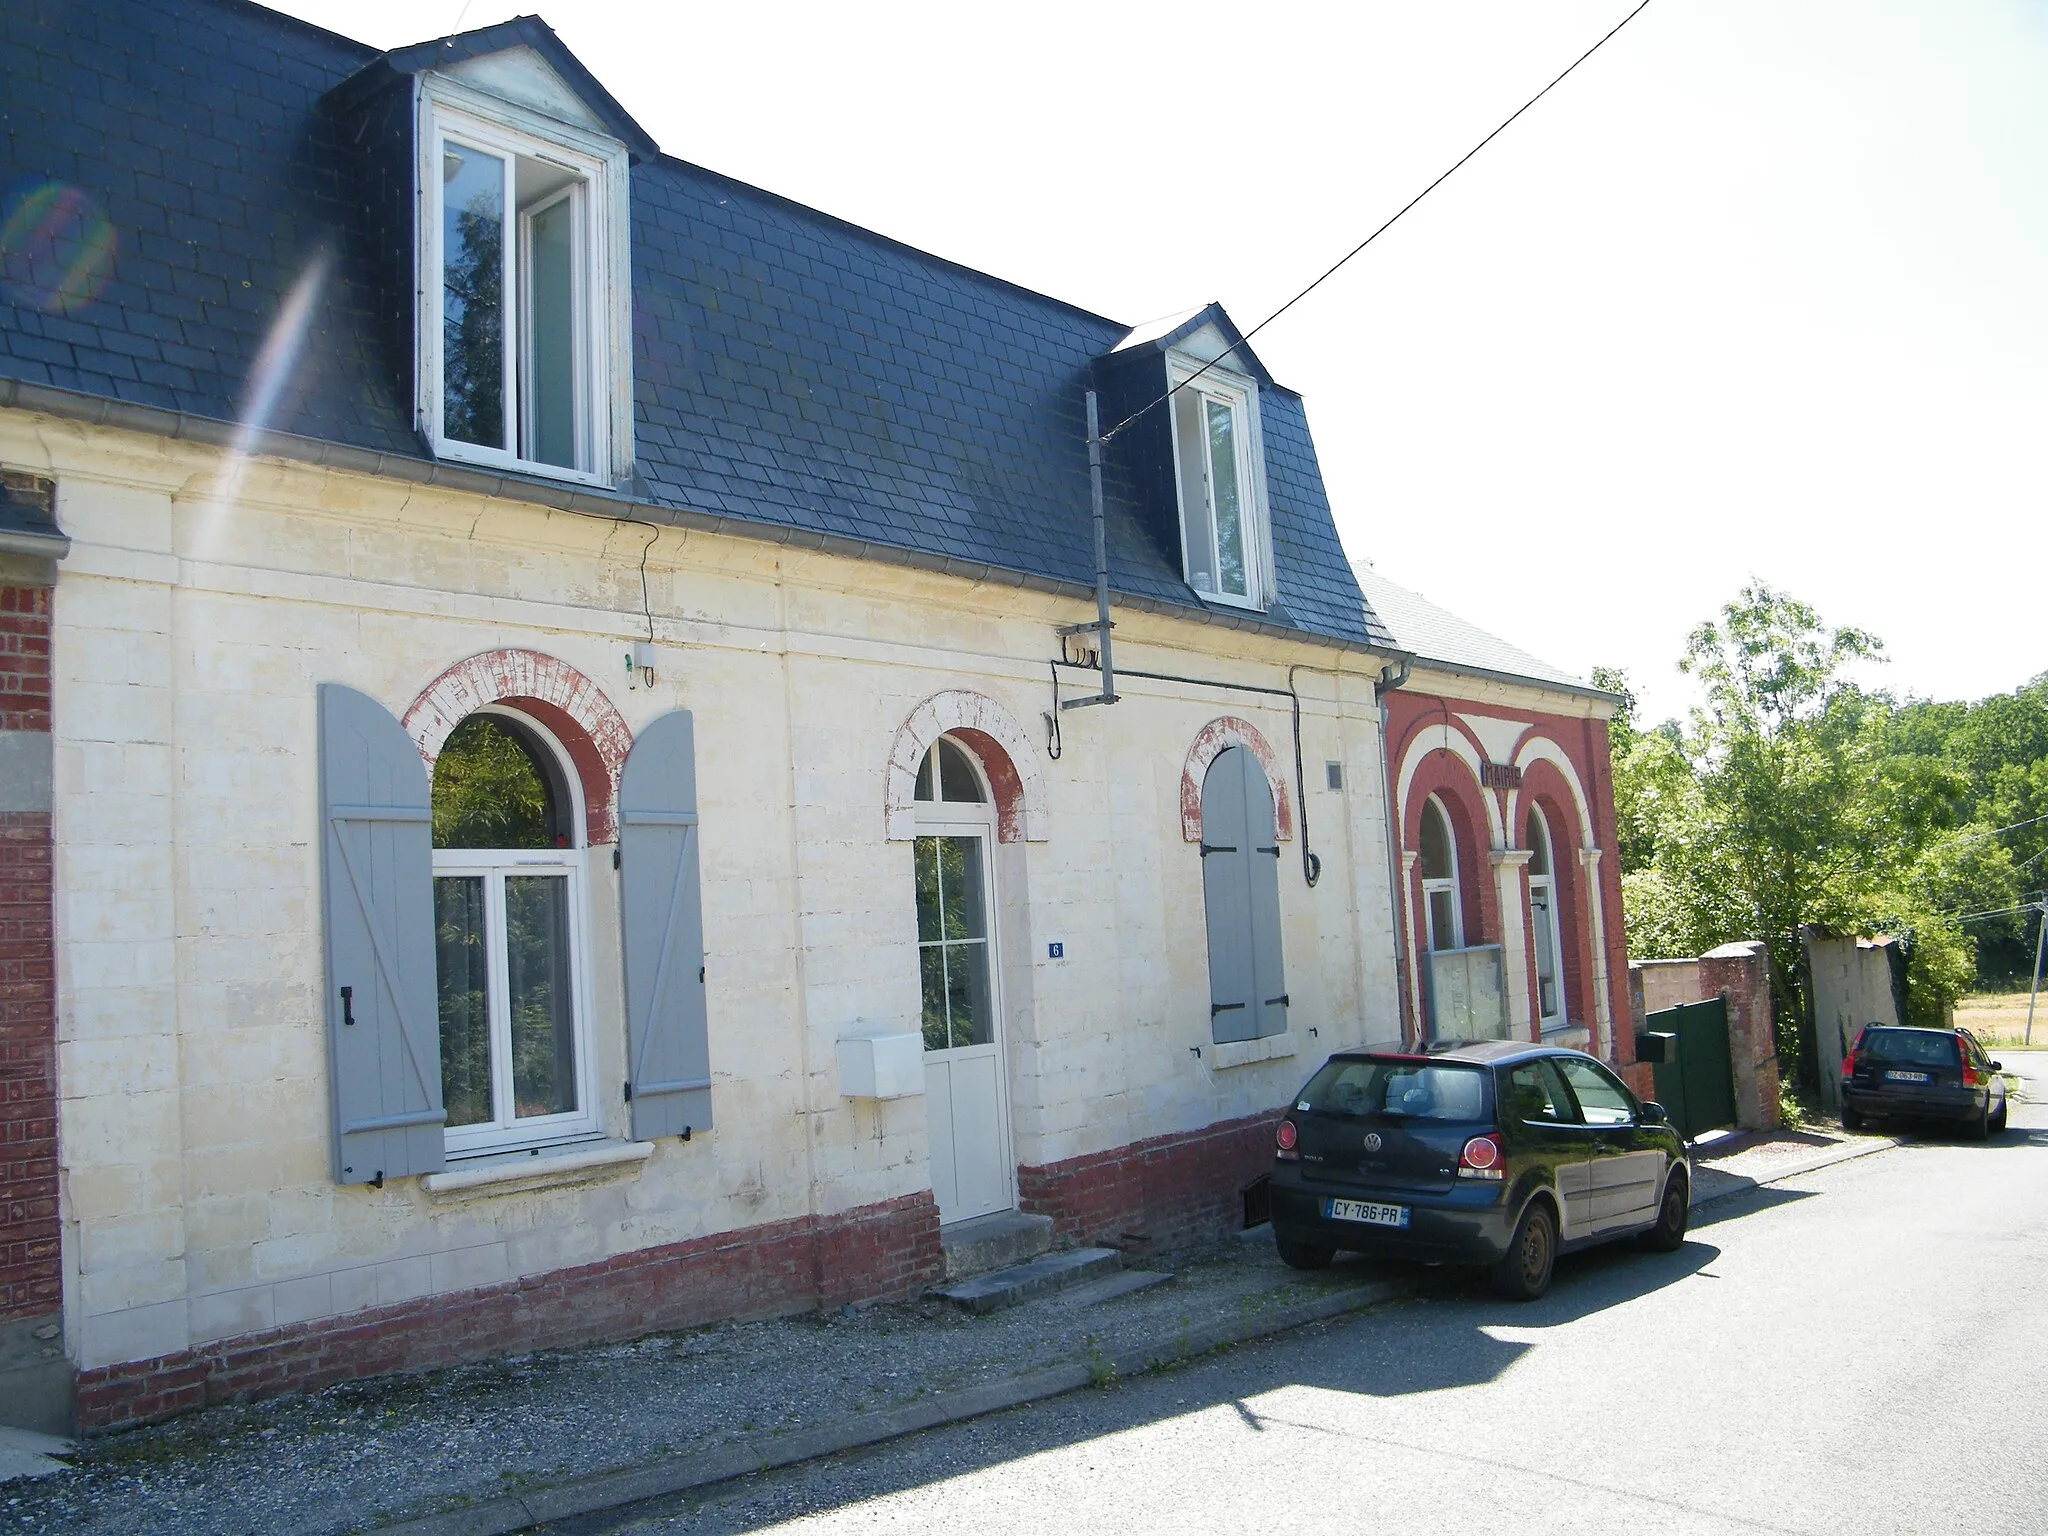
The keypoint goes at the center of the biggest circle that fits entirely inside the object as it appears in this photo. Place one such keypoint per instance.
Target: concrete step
(1000, 1288)
(994, 1242)
(1122, 1283)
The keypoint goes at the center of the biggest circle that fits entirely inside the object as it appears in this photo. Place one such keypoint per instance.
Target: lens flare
(56, 248)
(276, 362)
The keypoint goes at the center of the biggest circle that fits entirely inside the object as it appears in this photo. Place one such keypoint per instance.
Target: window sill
(1572, 1037)
(1245, 1053)
(511, 1173)
(451, 451)
(1225, 600)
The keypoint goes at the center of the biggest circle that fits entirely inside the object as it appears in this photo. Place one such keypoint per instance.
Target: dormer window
(1218, 463)
(523, 292)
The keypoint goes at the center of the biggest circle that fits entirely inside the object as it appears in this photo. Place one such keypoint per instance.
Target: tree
(1781, 804)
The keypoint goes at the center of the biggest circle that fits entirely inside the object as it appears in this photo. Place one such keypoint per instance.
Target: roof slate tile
(790, 368)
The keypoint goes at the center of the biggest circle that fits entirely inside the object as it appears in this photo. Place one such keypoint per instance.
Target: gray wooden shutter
(1241, 900)
(377, 868)
(1269, 973)
(668, 1051)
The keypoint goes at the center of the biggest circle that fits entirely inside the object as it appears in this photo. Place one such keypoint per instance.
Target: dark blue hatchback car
(1500, 1153)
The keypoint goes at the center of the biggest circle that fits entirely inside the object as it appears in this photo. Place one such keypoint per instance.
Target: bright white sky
(1758, 291)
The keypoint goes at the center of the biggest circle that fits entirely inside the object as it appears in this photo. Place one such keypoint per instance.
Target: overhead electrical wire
(1333, 268)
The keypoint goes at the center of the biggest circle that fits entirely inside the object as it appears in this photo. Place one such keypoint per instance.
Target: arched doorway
(959, 975)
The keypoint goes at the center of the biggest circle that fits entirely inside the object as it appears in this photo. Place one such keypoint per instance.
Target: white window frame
(451, 110)
(1442, 885)
(504, 1133)
(1547, 883)
(1241, 394)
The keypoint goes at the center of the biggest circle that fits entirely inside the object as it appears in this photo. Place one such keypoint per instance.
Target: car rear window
(1920, 1048)
(1410, 1090)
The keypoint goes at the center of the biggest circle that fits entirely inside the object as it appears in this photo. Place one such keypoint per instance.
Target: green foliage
(1794, 796)
(488, 791)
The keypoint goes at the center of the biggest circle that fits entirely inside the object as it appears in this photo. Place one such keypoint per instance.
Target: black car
(1922, 1074)
(1498, 1153)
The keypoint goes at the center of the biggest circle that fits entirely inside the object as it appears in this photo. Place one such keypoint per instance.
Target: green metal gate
(1697, 1089)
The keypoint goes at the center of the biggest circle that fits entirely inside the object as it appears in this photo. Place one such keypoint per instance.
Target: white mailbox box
(881, 1066)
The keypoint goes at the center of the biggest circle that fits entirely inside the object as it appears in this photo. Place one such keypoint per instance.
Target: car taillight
(1285, 1139)
(1972, 1078)
(1482, 1159)
(1849, 1063)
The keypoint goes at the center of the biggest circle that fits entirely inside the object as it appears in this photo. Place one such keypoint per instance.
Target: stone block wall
(192, 631)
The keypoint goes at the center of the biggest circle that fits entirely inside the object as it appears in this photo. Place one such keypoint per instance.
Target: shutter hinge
(1209, 848)
(700, 975)
(615, 858)
(378, 1182)
(1273, 851)
(1216, 1008)
(1281, 1000)
(686, 1134)
(629, 1090)
(348, 1007)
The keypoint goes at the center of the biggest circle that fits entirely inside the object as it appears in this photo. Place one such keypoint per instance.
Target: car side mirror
(1998, 1066)
(1653, 1113)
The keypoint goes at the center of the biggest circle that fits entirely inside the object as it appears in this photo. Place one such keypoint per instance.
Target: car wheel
(1302, 1255)
(1998, 1121)
(1524, 1274)
(1980, 1127)
(1852, 1120)
(1668, 1236)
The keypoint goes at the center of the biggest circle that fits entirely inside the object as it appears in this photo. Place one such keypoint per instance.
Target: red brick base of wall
(1160, 1192)
(878, 1252)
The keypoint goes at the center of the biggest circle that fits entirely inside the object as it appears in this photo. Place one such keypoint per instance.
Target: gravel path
(356, 1456)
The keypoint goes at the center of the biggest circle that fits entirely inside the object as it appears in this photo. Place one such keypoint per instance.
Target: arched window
(1543, 919)
(1443, 914)
(508, 929)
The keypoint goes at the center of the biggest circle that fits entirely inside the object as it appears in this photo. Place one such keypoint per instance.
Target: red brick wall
(1416, 717)
(1168, 1190)
(30, 1282)
(879, 1252)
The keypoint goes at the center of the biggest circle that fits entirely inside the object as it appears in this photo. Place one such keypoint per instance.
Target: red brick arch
(552, 692)
(1210, 741)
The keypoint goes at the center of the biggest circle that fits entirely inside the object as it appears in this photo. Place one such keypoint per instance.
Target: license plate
(1366, 1211)
(1905, 1077)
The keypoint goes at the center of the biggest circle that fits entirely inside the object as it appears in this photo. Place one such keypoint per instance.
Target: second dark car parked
(1499, 1153)
(1922, 1074)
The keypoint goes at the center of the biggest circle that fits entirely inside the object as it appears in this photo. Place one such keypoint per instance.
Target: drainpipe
(1410, 1028)
(1101, 626)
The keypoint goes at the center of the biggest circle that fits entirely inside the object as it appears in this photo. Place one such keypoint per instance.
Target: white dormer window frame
(1226, 538)
(558, 403)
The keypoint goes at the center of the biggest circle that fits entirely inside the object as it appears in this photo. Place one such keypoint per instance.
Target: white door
(965, 1098)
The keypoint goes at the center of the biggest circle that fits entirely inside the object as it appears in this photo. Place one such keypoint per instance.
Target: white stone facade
(203, 602)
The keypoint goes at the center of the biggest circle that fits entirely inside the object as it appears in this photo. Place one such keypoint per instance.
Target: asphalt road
(1862, 1350)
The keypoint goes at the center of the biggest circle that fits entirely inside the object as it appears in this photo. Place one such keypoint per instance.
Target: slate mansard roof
(1434, 634)
(794, 375)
